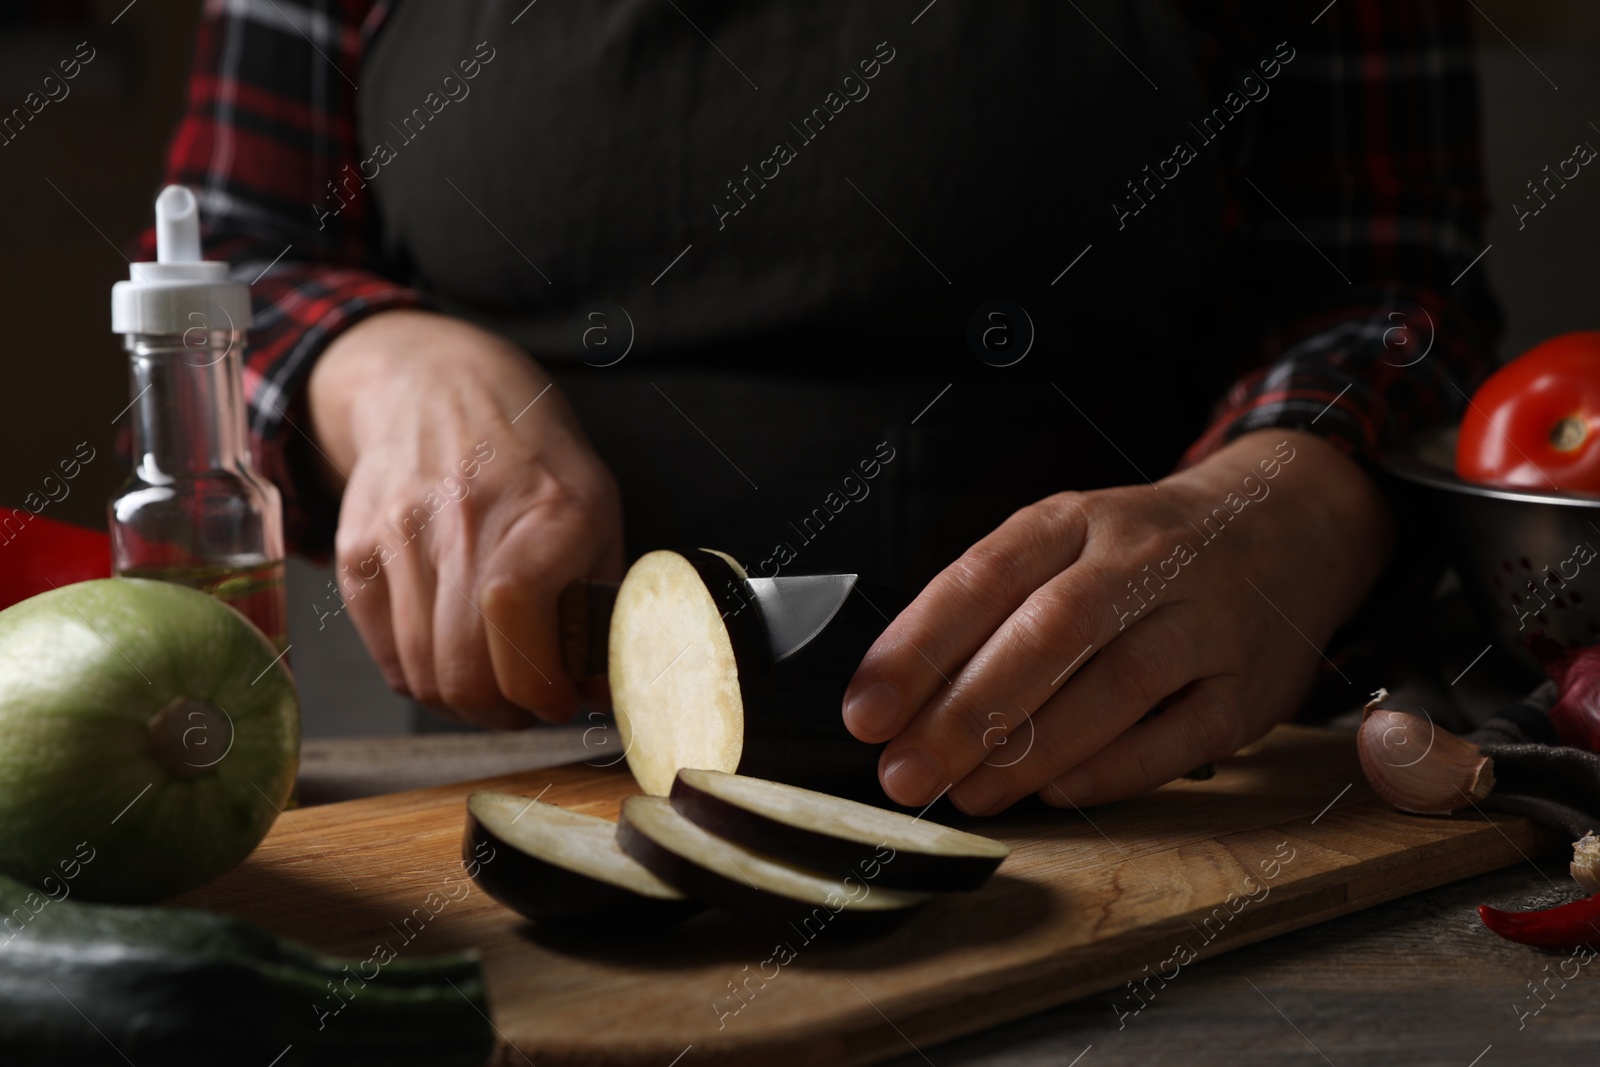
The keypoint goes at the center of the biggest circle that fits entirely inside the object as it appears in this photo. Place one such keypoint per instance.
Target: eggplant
(553, 865)
(741, 879)
(694, 682)
(680, 677)
(834, 835)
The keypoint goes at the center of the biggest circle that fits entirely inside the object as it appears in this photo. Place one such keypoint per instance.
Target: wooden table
(1415, 981)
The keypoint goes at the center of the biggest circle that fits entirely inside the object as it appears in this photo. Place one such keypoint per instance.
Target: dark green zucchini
(92, 984)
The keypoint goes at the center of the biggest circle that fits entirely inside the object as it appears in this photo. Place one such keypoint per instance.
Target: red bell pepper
(1563, 927)
(38, 554)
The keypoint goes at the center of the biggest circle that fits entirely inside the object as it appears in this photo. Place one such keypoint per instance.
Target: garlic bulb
(1585, 865)
(1417, 766)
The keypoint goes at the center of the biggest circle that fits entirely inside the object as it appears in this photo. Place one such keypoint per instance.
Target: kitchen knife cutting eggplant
(794, 609)
(712, 669)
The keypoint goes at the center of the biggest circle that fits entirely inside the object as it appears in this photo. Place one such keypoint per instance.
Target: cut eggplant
(693, 682)
(675, 670)
(737, 878)
(550, 864)
(835, 835)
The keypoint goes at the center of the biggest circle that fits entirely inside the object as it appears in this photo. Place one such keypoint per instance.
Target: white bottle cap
(180, 291)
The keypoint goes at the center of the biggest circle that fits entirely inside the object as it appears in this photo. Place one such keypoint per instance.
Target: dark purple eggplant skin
(547, 893)
(697, 882)
(827, 854)
(747, 631)
(794, 722)
(731, 894)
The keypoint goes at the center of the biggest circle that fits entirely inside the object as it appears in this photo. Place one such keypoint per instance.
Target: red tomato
(1535, 424)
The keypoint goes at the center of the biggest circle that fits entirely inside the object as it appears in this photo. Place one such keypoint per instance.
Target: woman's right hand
(471, 498)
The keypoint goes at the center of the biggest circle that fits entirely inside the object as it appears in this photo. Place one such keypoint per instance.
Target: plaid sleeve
(267, 140)
(1357, 228)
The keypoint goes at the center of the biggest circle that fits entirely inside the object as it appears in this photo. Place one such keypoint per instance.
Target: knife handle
(583, 615)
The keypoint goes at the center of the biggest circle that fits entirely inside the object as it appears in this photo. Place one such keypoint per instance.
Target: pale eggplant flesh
(564, 867)
(834, 835)
(682, 668)
(740, 879)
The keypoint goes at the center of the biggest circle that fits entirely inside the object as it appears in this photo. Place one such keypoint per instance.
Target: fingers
(365, 593)
(1202, 726)
(1130, 676)
(410, 580)
(1109, 693)
(489, 663)
(542, 554)
(1018, 669)
(992, 695)
(926, 646)
(462, 663)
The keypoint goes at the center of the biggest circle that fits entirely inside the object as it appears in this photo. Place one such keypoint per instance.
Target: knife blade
(794, 608)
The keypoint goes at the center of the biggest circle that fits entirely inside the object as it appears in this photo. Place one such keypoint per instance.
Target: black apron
(763, 246)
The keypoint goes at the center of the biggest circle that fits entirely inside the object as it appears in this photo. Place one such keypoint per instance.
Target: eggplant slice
(835, 835)
(675, 677)
(737, 878)
(550, 865)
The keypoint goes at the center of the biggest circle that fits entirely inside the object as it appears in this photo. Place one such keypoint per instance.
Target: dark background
(78, 183)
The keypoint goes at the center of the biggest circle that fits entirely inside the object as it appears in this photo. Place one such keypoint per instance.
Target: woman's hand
(1027, 665)
(471, 499)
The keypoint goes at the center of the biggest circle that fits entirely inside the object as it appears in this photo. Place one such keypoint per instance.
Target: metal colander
(1529, 562)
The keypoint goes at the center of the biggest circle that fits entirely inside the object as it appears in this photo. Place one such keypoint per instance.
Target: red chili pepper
(37, 554)
(1563, 927)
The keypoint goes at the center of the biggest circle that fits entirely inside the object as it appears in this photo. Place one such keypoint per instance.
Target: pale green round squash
(148, 739)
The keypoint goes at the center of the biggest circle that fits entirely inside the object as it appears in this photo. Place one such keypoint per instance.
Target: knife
(794, 608)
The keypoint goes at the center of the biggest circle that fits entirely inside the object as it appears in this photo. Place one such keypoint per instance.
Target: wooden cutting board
(1285, 835)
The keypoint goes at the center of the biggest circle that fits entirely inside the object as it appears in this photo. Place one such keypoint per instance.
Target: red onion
(1576, 714)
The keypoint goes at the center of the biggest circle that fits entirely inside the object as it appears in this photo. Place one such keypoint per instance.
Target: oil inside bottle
(257, 590)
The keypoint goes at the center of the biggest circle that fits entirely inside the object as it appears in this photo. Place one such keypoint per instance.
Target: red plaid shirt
(1355, 208)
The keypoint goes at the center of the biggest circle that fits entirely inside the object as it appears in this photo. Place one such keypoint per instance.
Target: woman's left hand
(1028, 664)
